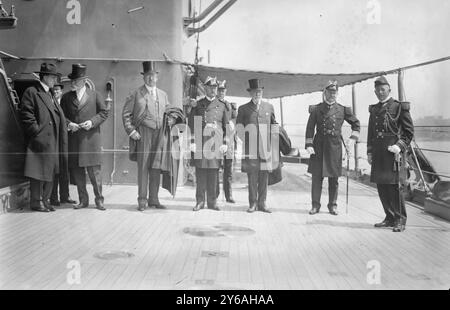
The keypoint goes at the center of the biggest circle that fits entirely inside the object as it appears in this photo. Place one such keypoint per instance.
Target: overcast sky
(322, 36)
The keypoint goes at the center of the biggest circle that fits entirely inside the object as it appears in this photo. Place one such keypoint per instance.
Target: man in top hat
(390, 132)
(207, 122)
(46, 137)
(143, 115)
(85, 111)
(62, 179)
(231, 109)
(256, 118)
(324, 144)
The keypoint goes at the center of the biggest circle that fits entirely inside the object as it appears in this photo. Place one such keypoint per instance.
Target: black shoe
(81, 206)
(158, 206)
(230, 200)
(199, 206)
(333, 210)
(99, 206)
(40, 208)
(262, 207)
(214, 207)
(50, 208)
(265, 210)
(385, 223)
(142, 206)
(314, 210)
(252, 208)
(398, 227)
(68, 200)
(55, 203)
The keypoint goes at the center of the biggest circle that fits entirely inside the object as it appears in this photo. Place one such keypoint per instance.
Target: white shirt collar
(328, 102)
(150, 89)
(46, 88)
(80, 92)
(210, 98)
(257, 102)
(386, 100)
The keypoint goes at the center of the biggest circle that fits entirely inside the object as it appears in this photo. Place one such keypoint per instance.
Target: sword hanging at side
(347, 153)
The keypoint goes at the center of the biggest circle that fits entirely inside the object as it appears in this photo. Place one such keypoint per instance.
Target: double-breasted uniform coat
(324, 134)
(390, 123)
(207, 121)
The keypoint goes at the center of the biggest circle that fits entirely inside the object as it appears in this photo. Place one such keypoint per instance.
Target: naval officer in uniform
(324, 144)
(207, 123)
(390, 132)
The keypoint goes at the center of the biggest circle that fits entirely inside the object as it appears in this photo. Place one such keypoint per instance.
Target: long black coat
(208, 112)
(323, 132)
(45, 131)
(252, 126)
(85, 146)
(388, 125)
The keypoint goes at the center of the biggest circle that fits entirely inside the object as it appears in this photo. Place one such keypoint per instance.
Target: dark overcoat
(85, 146)
(260, 141)
(45, 132)
(215, 115)
(389, 124)
(323, 132)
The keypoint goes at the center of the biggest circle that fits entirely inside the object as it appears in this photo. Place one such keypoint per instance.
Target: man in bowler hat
(46, 138)
(324, 144)
(85, 111)
(254, 127)
(143, 117)
(389, 134)
(62, 179)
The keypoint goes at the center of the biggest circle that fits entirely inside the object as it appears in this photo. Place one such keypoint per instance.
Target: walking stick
(397, 158)
(348, 167)
(346, 195)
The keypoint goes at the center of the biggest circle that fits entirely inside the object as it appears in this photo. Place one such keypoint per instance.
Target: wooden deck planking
(290, 249)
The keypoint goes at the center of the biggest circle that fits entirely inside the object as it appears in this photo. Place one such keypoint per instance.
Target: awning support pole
(281, 112)
(357, 143)
(401, 89)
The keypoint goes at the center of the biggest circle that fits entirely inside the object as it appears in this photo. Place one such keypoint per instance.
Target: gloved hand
(232, 126)
(223, 148)
(73, 127)
(171, 121)
(193, 147)
(193, 103)
(369, 158)
(394, 149)
(310, 150)
(211, 125)
(87, 125)
(135, 135)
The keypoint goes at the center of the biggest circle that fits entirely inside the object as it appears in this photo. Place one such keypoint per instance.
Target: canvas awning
(279, 84)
